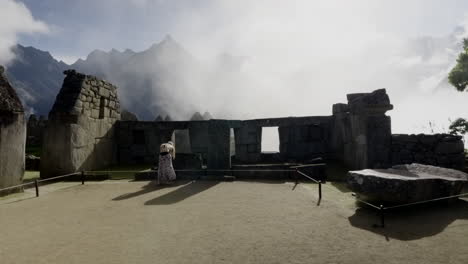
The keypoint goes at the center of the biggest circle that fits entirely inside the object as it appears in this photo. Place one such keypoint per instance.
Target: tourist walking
(166, 172)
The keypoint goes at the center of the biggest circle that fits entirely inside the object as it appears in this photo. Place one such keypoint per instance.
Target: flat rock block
(406, 183)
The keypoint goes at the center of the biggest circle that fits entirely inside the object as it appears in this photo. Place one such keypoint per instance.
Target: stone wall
(442, 150)
(12, 135)
(80, 131)
(301, 138)
(361, 131)
(138, 142)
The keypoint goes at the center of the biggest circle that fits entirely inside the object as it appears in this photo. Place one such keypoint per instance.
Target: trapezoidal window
(181, 139)
(102, 105)
(270, 140)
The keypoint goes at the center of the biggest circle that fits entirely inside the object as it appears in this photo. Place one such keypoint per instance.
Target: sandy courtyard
(222, 222)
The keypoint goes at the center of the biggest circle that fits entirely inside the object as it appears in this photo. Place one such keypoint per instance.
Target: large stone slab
(407, 183)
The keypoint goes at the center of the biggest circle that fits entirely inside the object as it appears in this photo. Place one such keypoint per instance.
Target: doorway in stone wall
(181, 139)
(270, 140)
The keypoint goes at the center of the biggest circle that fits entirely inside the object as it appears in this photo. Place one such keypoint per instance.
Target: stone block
(104, 92)
(450, 147)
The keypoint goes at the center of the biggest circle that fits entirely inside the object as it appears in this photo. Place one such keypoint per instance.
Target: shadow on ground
(411, 223)
(150, 187)
(182, 193)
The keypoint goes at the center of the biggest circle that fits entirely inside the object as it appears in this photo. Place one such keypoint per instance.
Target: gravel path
(226, 222)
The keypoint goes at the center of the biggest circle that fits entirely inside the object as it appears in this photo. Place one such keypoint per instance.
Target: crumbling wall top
(9, 100)
(375, 102)
(87, 95)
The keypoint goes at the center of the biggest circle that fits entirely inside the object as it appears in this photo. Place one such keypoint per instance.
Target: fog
(293, 58)
(254, 59)
(15, 19)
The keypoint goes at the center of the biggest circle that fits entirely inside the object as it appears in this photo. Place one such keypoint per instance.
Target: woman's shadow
(150, 187)
(182, 193)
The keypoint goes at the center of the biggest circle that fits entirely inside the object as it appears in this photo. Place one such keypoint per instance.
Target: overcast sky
(78, 27)
(302, 55)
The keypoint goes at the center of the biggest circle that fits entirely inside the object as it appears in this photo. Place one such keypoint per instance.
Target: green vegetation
(34, 150)
(459, 127)
(30, 176)
(458, 77)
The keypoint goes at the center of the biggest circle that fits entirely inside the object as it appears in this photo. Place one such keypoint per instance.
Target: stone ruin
(12, 135)
(80, 130)
(84, 132)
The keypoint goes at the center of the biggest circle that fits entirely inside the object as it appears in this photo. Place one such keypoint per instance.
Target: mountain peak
(96, 53)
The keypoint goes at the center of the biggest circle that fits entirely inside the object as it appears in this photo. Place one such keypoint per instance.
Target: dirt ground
(222, 222)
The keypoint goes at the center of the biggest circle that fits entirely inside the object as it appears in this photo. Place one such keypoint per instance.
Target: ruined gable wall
(80, 131)
(12, 135)
(361, 131)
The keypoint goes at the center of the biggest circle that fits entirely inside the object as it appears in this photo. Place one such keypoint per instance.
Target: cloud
(303, 56)
(15, 19)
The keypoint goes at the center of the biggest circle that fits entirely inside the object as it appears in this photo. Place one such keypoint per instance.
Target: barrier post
(320, 189)
(36, 184)
(382, 216)
(82, 177)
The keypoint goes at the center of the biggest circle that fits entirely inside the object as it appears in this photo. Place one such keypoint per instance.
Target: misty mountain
(166, 80)
(150, 82)
(37, 78)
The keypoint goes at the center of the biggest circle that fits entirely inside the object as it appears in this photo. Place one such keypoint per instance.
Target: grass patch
(34, 150)
(30, 176)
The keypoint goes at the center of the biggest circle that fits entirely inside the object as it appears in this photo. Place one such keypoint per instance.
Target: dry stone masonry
(80, 131)
(12, 135)
(407, 183)
(441, 150)
(84, 132)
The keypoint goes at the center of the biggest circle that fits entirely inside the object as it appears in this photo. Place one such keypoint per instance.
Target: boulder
(406, 183)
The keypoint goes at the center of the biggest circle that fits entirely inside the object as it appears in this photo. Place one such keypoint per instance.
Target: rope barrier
(427, 201)
(208, 170)
(308, 177)
(36, 182)
(16, 186)
(58, 177)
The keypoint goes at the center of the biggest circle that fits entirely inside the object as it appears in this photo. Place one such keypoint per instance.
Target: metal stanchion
(36, 184)
(320, 190)
(382, 216)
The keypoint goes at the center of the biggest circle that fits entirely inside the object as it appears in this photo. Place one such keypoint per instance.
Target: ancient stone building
(80, 130)
(84, 133)
(12, 135)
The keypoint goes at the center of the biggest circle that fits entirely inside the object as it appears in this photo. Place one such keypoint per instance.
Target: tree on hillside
(459, 127)
(458, 76)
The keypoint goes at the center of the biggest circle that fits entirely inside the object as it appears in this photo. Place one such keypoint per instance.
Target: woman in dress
(166, 172)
